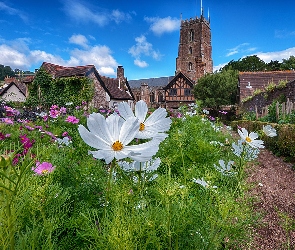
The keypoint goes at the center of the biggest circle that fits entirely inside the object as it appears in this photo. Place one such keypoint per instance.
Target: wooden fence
(286, 109)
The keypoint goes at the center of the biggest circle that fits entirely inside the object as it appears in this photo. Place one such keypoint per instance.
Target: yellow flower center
(141, 126)
(45, 171)
(117, 146)
(248, 139)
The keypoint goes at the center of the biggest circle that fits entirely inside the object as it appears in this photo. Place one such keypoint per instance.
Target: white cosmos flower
(111, 137)
(147, 166)
(223, 168)
(149, 127)
(250, 138)
(269, 131)
(203, 183)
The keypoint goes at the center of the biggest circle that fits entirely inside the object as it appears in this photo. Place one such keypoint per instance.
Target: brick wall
(266, 98)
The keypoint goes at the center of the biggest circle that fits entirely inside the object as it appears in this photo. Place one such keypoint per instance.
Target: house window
(191, 35)
(190, 66)
(152, 97)
(172, 92)
(190, 50)
(160, 98)
(187, 92)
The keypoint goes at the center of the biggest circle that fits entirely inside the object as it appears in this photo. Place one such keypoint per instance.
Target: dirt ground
(273, 183)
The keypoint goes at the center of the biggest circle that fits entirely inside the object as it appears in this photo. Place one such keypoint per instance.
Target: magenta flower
(63, 110)
(54, 113)
(7, 121)
(65, 134)
(29, 128)
(43, 168)
(72, 119)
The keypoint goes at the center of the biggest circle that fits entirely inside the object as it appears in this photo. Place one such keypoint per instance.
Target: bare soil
(273, 182)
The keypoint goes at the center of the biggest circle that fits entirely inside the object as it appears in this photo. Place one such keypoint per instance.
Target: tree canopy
(5, 71)
(254, 64)
(217, 89)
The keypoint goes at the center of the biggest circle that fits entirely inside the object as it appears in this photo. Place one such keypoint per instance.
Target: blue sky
(142, 36)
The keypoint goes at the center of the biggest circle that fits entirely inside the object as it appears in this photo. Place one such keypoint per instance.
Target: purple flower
(7, 121)
(72, 119)
(65, 134)
(43, 168)
(29, 128)
(63, 110)
(54, 113)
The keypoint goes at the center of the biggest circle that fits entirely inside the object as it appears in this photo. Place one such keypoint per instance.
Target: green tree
(247, 64)
(5, 71)
(288, 64)
(217, 89)
(273, 65)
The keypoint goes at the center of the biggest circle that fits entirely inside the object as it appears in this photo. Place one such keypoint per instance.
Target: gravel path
(273, 183)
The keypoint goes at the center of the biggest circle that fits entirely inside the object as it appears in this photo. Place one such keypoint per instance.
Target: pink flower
(54, 113)
(7, 121)
(72, 119)
(63, 110)
(65, 134)
(43, 168)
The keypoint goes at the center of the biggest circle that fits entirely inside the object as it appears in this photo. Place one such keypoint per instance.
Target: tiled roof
(7, 86)
(60, 71)
(112, 86)
(250, 81)
(152, 82)
(109, 84)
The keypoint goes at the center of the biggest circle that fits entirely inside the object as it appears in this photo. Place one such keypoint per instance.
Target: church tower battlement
(195, 50)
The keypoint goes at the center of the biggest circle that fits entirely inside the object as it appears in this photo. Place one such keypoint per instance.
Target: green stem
(113, 164)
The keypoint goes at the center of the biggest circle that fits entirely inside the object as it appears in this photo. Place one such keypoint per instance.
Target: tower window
(190, 50)
(191, 35)
(190, 66)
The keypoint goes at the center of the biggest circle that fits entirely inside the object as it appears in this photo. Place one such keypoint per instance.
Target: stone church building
(194, 60)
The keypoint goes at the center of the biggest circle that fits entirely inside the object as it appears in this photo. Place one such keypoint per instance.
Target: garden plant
(74, 178)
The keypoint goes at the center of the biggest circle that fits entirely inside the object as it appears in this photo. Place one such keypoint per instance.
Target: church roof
(151, 82)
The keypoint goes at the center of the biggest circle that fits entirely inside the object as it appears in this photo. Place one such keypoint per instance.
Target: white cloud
(143, 48)
(141, 64)
(163, 25)
(79, 39)
(241, 48)
(11, 57)
(119, 16)
(218, 67)
(24, 58)
(81, 13)
(276, 55)
(100, 56)
(13, 11)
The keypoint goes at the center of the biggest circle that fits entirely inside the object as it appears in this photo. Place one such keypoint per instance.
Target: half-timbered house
(179, 91)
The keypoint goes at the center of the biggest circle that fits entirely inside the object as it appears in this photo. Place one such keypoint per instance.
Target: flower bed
(123, 180)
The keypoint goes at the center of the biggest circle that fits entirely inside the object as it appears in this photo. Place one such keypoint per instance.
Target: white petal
(107, 155)
(91, 139)
(161, 125)
(114, 125)
(125, 110)
(141, 110)
(129, 130)
(97, 125)
(158, 114)
(253, 135)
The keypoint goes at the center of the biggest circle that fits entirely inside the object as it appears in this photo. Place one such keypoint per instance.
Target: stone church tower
(195, 51)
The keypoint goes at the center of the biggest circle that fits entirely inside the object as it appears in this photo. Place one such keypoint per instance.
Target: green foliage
(5, 71)
(74, 208)
(46, 91)
(215, 90)
(254, 64)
